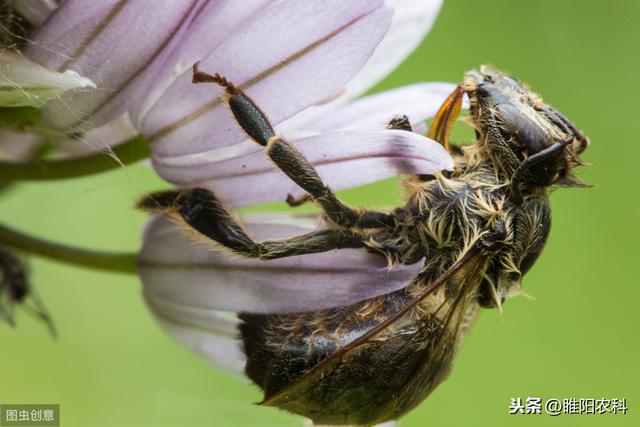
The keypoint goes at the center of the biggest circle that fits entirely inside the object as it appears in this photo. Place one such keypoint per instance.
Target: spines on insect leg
(287, 157)
(159, 201)
(202, 218)
(205, 213)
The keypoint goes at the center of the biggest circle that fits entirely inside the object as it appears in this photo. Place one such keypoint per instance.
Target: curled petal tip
(120, 45)
(82, 81)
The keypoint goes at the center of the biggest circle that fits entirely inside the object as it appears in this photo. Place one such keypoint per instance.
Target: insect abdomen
(372, 383)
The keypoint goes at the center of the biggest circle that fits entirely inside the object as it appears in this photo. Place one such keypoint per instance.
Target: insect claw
(293, 201)
(202, 77)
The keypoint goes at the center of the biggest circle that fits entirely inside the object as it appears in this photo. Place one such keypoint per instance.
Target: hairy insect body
(441, 221)
(477, 230)
(473, 205)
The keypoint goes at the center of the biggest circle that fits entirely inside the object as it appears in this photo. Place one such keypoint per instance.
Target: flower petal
(18, 146)
(214, 23)
(412, 20)
(292, 55)
(343, 160)
(35, 11)
(175, 270)
(210, 334)
(119, 44)
(25, 83)
(418, 102)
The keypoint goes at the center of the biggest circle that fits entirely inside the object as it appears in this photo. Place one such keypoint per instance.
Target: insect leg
(297, 201)
(563, 122)
(529, 162)
(203, 212)
(15, 286)
(287, 157)
(400, 123)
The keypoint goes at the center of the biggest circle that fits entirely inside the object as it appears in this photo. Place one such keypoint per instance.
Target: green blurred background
(111, 366)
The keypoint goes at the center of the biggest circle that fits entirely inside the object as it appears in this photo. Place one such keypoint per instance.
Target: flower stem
(116, 262)
(131, 151)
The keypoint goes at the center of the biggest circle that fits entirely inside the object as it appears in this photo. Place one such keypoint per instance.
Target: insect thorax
(449, 213)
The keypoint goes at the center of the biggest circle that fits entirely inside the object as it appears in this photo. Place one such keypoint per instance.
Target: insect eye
(481, 90)
(527, 133)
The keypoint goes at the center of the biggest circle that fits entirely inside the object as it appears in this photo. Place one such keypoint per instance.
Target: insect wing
(415, 360)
